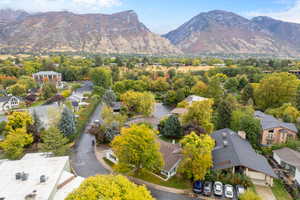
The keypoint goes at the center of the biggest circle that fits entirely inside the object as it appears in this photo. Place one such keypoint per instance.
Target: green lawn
(279, 191)
(174, 182)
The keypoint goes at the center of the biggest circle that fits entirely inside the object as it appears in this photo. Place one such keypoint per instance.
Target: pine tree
(54, 141)
(67, 123)
(172, 128)
(36, 126)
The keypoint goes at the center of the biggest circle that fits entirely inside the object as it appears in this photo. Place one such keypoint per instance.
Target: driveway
(265, 192)
(85, 163)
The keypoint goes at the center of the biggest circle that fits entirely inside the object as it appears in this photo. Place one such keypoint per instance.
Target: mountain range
(216, 32)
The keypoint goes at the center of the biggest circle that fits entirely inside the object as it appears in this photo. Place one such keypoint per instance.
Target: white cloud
(81, 6)
(290, 14)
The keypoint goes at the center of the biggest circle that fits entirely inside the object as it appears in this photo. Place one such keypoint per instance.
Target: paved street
(85, 163)
(83, 159)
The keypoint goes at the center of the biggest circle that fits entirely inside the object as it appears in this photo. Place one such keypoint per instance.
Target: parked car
(218, 188)
(198, 187)
(228, 190)
(207, 190)
(240, 190)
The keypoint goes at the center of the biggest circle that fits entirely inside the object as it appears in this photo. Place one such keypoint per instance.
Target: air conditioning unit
(18, 175)
(43, 179)
(24, 176)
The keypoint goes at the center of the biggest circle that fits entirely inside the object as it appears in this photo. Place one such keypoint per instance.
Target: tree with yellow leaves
(138, 102)
(137, 147)
(200, 88)
(249, 195)
(200, 114)
(15, 140)
(111, 188)
(197, 156)
(19, 120)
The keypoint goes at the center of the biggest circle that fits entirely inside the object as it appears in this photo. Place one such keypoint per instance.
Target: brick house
(275, 131)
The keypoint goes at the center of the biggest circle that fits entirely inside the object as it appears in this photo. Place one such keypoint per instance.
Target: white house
(37, 176)
(171, 154)
(289, 159)
(9, 102)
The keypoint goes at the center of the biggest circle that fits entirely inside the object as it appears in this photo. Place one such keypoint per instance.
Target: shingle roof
(269, 122)
(171, 154)
(289, 156)
(237, 152)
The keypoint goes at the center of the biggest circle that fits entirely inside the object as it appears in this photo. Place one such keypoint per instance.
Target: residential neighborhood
(165, 135)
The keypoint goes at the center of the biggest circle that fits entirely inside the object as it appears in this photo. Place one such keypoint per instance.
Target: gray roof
(237, 152)
(171, 154)
(289, 156)
(270, 122)
(47, 73)
(5, 98)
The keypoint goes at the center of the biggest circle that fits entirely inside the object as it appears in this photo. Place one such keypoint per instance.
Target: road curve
(85, 163)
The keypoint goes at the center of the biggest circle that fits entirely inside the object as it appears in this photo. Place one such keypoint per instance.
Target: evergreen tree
(224, 110)
(109, 97)
(36, 126)
(247, 93)
(172, 128)
(54, 141)
(67, 123)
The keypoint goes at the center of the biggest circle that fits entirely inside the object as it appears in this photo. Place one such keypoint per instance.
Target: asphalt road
(85, 163)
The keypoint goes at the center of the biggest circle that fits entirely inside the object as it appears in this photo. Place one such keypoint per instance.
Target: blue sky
(161, 16)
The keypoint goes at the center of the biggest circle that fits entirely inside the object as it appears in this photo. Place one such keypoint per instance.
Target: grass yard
(279, 191)
(174, 182)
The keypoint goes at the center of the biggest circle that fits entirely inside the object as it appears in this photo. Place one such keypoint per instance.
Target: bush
(229, 178)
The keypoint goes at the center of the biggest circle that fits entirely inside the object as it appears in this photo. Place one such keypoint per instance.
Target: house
(9, 102)
(190, 100)
(275, 131)
(235, 154)
(289, 159)
(171, 154)
(37, 176)
(51, 76)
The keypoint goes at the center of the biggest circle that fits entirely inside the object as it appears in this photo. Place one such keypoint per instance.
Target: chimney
(242, 134)
(225, 143)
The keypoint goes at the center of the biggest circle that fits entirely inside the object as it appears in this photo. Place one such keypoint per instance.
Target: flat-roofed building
(37, 176)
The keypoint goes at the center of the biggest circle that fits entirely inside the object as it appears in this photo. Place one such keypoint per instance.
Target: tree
(109, 97)
(172, 128)
(17, 90)
(98, 61)
(232, 84)
(197, 156)
(48, 90)
(137, 146)
(243, 121)
(249, 195)
(275, 90)
(138, 102)
(247, 93)
(19, 120)
(37, 126)
(109, 187)
(67, 123)
(54, 141)
(199, 89)
(214, 89)
(287, 112)
(200, 114)
(15, 141)
(101, 77)
(224, 111)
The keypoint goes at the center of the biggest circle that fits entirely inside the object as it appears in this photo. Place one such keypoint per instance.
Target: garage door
(256, 175)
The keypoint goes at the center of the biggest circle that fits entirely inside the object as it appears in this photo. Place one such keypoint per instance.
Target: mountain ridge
(64, 31)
